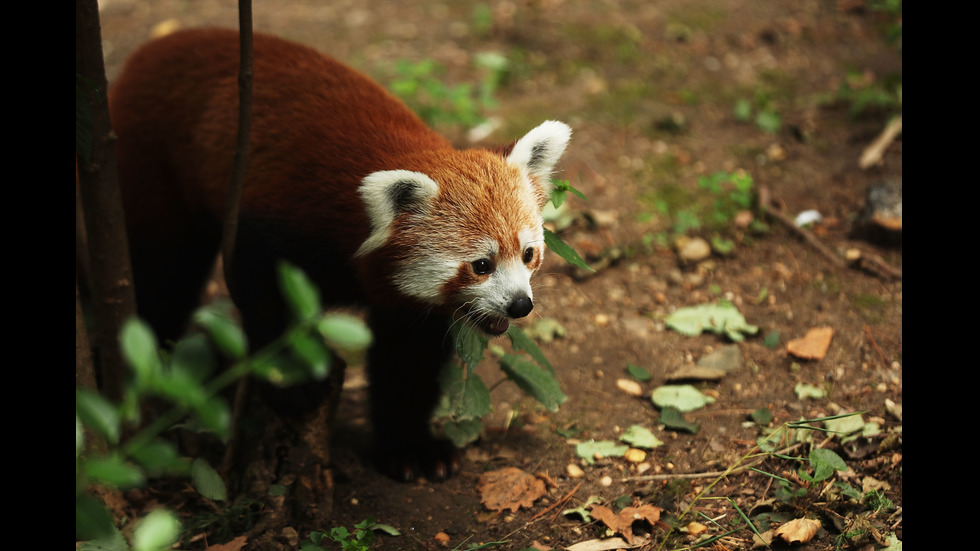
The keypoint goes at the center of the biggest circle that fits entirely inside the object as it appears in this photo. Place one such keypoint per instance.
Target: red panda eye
(482, 266)
(528, 255)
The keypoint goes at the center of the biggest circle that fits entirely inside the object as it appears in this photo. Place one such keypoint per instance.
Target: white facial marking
(423, 278)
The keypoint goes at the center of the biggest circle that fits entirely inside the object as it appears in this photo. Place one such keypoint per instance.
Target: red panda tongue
(496, 326)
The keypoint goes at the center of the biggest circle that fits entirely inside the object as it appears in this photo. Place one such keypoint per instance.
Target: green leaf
(467, 394)
(521, 342)
(207, 481)
(113, 471)
(673, 419)
(139, 348)
(562, 249)
(743, 110)
(98, 414)
(846, 424)
(225, 334)
(641, 437)
(157, 457)
(462, 432)
(806, 390)
(591, 449)
(345, 332)
(771, 340)
(583, 510)
(215, 415)
(681, 397)
(300, 293)
(762, 417)
(281, 369)
(825, 462)
(194, 356)
(156, 531)
(470, 345)
(769, 121)
(311, 352)
(721, 317)
(92, 520)
(537, 382)
(370, 524)
(639, 373)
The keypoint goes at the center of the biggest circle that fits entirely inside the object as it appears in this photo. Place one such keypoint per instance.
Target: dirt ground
(650, 90)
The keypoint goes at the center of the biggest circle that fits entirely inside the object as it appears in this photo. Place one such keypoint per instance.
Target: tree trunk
(111, 284)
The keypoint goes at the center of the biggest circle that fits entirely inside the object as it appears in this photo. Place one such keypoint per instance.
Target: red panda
(347, 183)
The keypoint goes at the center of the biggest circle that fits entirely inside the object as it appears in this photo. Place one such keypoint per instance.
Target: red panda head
(462, 230)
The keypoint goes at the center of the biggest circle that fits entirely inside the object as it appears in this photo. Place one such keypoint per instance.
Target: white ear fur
(387, 193)
(539, 150)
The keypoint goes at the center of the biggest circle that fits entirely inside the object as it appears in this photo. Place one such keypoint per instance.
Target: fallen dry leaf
(234, 545)
(509, 488)
(696, 528)
(813, 345)
(798, 530)
(623, 522)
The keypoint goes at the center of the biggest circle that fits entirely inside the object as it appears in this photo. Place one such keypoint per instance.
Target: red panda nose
(520, 307)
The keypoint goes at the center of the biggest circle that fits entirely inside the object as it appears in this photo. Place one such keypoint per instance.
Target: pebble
(634, 455)
(630, 387)
(692, 249)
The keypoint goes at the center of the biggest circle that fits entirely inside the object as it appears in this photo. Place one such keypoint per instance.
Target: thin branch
(709, 474)
(765, 205)
(245, 75)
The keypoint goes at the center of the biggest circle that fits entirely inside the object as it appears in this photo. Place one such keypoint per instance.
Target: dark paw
(432, 459)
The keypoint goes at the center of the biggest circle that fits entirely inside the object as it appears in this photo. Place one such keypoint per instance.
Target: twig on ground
(561, 501)
(765, 204)
(874, 344)
(873, 154)
(877, 265)
(710, 474)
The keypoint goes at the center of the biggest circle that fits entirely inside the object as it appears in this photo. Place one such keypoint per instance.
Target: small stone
(692, 249)
(634, 455)
(574, 471)
(630, 387)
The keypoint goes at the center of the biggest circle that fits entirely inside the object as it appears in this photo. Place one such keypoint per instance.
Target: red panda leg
(170, 273)
(403, 367)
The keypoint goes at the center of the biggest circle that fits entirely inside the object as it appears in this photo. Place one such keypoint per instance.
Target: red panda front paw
(433, 459)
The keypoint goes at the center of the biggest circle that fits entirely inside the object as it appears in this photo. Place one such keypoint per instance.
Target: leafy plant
(761, 111)
(421, 86)
(864, 93)
(466, 398)
(798, 488)
(722, 204)
(358, 540)
(187, 379)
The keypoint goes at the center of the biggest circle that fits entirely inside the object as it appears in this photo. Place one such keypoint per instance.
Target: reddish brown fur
(319, 129)
(368, 129)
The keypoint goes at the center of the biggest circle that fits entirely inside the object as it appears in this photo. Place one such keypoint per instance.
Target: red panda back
(312, 116)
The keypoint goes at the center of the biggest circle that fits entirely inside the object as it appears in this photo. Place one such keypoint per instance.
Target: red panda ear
(539, 150)
(388, 193)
